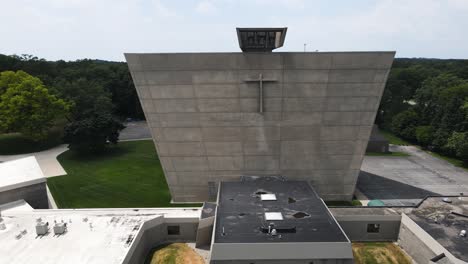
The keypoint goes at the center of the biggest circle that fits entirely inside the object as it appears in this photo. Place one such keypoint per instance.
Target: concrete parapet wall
(205, 231)
(322, 252)
(419, 244)
(315, 261)
(355, 227)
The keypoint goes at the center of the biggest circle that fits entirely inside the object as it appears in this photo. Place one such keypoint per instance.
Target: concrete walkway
(47, 160)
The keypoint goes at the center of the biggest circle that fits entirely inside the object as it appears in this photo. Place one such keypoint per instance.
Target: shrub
(404, 124)
(424, 135)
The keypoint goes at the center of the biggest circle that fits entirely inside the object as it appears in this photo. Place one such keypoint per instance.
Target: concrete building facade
(217, 116)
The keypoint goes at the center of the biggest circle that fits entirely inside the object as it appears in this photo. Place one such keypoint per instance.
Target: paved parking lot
(405, 180)
(135, 130)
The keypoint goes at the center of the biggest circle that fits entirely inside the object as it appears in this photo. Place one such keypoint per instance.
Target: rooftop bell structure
(260, 39)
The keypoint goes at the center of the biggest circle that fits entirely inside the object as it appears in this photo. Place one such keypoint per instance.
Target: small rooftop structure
(22, 179)
(20, 173)
(260, 39)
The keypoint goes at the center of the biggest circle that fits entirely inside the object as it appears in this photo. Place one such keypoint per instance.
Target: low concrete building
(22, 179)
(367, 224)
(301, 229)
(271, 220)
(92, 236)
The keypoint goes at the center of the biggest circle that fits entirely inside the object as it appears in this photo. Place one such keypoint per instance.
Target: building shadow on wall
(376, 187)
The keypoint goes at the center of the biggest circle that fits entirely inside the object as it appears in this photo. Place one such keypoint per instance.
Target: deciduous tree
(27, 106)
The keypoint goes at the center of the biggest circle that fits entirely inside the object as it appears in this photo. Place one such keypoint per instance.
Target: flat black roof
(241, 213)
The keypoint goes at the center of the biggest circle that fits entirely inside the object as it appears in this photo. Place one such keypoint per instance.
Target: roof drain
(300, 215)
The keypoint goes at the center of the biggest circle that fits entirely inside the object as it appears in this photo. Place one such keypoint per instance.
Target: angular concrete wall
(419, 244)
(204, 117)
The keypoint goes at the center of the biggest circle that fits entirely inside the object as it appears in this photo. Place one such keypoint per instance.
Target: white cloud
(162, 10)
(290, 4)
(206, 7)
(459, 3)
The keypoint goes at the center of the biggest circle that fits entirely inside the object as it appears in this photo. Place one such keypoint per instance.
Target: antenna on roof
(274, 232)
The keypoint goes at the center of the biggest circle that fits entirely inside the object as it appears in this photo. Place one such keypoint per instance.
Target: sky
(105, 29)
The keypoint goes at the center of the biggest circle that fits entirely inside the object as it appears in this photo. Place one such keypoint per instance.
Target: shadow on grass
(15, 143)
(114, 151)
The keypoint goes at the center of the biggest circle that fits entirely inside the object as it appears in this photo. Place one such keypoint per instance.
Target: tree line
(86, 99)
(111, 77)
(426, 102)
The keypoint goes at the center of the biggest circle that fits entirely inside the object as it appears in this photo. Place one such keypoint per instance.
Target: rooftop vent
(279, 229)
(463, 233)
(268, 197)
(42, 228)
(273, 216)
(60, 228)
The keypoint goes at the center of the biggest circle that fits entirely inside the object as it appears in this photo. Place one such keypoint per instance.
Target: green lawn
(388, 154)
(393, 139)
(379, 253)
(128, 175)
(15, 143)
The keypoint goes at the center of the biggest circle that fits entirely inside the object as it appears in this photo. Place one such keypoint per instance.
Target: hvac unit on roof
(60, 228)
(42, 228)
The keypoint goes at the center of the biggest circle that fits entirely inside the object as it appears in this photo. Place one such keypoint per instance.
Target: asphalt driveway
(135, 130)
(406, 180)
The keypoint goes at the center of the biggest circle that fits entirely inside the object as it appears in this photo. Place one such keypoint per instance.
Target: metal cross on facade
(260, 80)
